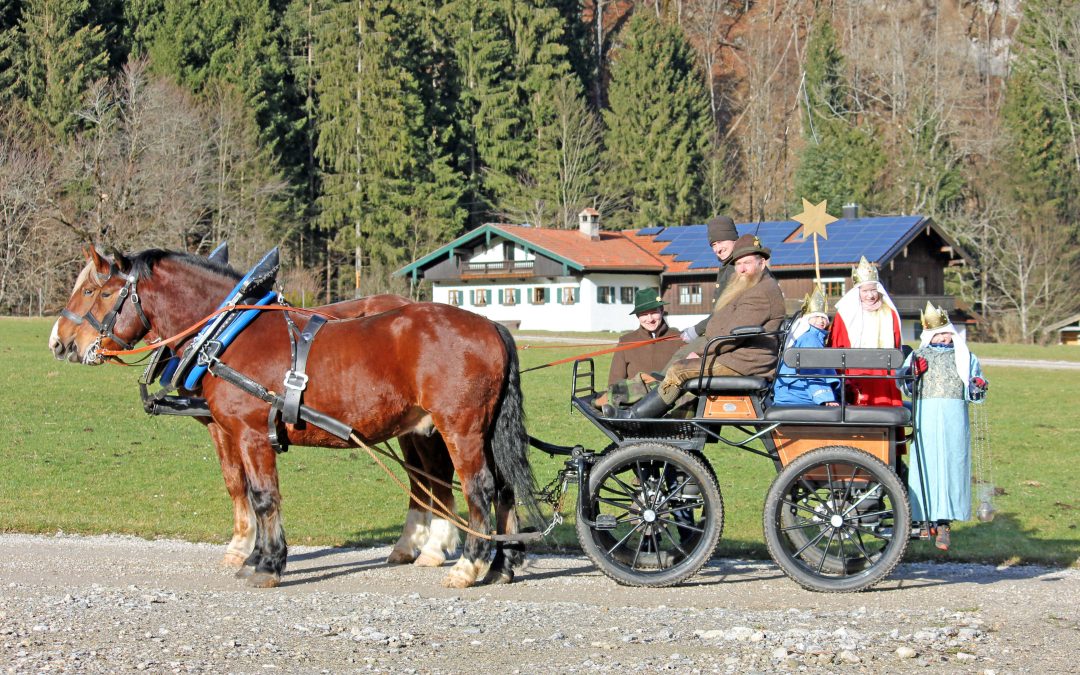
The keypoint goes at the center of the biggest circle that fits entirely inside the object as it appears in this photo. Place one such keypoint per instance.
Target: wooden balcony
(515, 269)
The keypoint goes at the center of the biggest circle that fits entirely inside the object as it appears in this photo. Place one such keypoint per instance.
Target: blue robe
(940, 455)
(804, 390)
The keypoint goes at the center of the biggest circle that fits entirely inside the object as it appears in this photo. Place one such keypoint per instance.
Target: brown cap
(749, 244)
(721, 228)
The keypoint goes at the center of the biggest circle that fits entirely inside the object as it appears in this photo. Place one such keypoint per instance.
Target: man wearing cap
(867, 318)
(629, 363)
(751, 298)
(722, 235)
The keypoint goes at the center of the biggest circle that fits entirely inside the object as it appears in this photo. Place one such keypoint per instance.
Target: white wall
(584, 315)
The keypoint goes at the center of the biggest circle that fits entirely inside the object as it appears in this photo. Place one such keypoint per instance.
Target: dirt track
(102, 604)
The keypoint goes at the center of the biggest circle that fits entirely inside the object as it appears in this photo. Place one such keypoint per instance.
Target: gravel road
(110, 603)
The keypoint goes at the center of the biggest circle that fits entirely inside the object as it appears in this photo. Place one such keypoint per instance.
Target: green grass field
(79, 455)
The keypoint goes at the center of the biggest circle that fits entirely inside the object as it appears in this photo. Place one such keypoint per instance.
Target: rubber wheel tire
(817, 525)
(654, 543)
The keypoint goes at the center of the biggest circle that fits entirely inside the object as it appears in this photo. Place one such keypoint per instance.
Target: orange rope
(199, 324)
(620, 348)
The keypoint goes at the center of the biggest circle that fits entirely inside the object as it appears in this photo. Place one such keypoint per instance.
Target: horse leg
(416, 530)
(511, 555)
(270, 552)
(232, 470)
(477, 486)
(443, 539)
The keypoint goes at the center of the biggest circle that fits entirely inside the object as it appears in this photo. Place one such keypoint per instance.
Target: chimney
(850, 211)
(589, 224)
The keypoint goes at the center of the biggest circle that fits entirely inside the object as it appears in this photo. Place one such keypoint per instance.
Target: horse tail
(510, 442)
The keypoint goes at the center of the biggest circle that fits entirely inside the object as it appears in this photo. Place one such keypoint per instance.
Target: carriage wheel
(837, 520)
(658, 512)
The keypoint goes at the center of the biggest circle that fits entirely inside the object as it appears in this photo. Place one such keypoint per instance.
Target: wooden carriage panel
(729, 408)
(792, 441)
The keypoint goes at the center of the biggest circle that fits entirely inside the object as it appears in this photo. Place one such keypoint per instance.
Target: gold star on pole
(814, 218)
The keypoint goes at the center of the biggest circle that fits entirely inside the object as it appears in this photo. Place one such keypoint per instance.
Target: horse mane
(142, 263)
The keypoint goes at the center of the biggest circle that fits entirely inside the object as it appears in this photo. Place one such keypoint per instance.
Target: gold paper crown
(933, 317)
(815, 303)
(864, 272)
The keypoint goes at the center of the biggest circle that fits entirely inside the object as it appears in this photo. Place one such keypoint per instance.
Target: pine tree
(388, 187)
(842, 160)
(488, 119)
(55, 54)
(657, 127)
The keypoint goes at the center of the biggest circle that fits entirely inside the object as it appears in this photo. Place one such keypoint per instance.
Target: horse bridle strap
(108, 322)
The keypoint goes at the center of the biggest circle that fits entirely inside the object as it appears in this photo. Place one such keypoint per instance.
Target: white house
(543, 279)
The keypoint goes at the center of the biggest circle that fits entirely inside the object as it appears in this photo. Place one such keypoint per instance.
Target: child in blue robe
(809, 331)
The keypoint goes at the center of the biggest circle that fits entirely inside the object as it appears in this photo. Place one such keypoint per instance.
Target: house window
(627, 295)
(539, 296)
(605, 295)
(834, 287)
(567, 295)
(457, 298)
(509, 296)
(690, 294)
(920, 285)
(480, 297)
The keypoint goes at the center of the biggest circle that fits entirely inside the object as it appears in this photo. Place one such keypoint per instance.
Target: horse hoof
(264, 580)
(245, 571)
(456, 581)
(429, 560)
(399, 557)
(233, 560)
(498, 577)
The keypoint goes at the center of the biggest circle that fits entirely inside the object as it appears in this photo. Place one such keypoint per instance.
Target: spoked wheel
(837, 520)
(657, 515)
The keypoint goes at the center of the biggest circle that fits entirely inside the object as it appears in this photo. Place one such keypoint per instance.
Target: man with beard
(751, 298)
(866, 317)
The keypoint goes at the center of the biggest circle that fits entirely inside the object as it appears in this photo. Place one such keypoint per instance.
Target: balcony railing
(502, 268)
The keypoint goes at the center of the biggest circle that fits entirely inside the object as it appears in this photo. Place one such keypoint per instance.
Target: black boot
(650, 407)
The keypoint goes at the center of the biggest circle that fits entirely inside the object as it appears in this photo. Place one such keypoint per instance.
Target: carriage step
(605, 521)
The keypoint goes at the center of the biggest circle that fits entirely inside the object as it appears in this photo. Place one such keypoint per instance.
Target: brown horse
(413, 368)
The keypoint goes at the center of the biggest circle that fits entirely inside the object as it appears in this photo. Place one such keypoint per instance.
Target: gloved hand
(979, 386)
(918, 366)
(689, 334)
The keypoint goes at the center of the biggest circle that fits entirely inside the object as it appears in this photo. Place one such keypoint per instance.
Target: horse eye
(88, 291)
(106, 294)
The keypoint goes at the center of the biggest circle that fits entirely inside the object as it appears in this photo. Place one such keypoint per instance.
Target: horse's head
(103, 311)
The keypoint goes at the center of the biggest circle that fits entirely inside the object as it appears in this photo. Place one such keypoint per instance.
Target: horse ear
(121, 261)
(101, 263)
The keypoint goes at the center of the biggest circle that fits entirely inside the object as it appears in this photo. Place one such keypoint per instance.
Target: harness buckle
(209, 352)
(295, 380)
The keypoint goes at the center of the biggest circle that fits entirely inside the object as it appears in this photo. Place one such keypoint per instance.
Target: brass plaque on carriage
(729, 408)
(792, 441)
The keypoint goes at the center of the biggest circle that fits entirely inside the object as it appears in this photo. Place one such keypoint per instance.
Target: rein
(620, 348)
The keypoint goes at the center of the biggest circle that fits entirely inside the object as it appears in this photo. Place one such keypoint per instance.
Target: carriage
(649, 509)
(836, 518)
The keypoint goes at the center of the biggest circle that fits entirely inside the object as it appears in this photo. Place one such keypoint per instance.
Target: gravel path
(107, 604)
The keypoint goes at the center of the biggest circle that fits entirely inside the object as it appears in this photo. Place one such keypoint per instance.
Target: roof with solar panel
(685, 249)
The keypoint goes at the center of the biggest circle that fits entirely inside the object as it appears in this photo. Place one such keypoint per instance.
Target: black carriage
(836, 518)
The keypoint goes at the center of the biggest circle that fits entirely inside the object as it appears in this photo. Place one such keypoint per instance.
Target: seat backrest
(840, 359)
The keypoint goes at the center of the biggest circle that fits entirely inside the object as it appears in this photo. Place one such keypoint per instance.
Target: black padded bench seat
(718, 384)
(891, 415)
(803, 413)
(878, 414)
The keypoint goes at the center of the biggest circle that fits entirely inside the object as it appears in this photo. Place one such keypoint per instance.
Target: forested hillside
(360, 135)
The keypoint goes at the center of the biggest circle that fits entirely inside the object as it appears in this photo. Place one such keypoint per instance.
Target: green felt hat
(646, 299)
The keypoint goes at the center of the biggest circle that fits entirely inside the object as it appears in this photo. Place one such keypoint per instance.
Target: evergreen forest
(359, 136)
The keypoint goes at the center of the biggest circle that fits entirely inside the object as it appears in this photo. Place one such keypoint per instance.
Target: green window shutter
(487, 296)
(558, 295)
(472, 298)
(517, 296)
(547, 295)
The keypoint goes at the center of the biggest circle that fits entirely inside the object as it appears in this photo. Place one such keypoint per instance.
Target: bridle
(108, 322)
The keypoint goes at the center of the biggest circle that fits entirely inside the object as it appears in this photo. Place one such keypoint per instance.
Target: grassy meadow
(80, 456)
